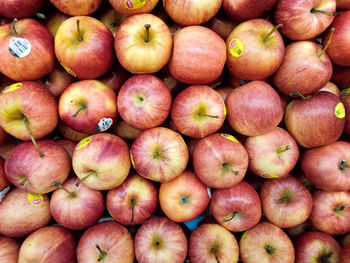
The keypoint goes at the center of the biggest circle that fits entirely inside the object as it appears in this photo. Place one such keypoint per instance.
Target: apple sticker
(19, 47)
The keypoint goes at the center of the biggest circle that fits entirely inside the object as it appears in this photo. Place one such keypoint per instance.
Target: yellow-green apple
(26, 50)
(327, 167)
(331, 212)
(304, 19)
(50, 244)
(76, 206)
(222, 25)
(5, 184)
(255, 49)
(159, 154)
(9, 250)
(266, 243)
(54, 21)
(19, 8)
(332, 88)
(212, 243)
(237, 208)
(286, 202)
(21, 213)
(160, 240)
(115, 77)
(101, 161)
(220, 160)
(88, 106)
(133, 202)
(146, 37)
(343, 4)
(125, 131)
(80, 43)
(187, 13)
(133, 7)
(77, 7)
(68, 145)
(183, 198)
(110, 17)
(273, 154)
(305, 68)
(315, 121)
(341, 76)
(198, 111)
(315, 246)
(254, 108)
(199, 55)
(106, 242)
(69, 133)
(346, 103)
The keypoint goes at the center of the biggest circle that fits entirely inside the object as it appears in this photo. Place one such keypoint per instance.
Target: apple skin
(28, 171)
(183, 198)
(19, 8)
(336, 51)
(312, 121)
(115, 78)
(123, 6)
(311, 246)
(82, 58)
(98, 100)
(254, 245)
(69, 133)
(346, 253)
(18, 217)
(4, 182)
(212, 241)
(268, 155)
(187, 13)
(225, 91)
(159, 154)
(341, 76)
(3, 136)
(199, 55)
(343, 4)
(37, 247)
(9, 250)
(261, 57)
(300, 22)
(110, 17)
(112, 238)
(160, 240)
(68, 145)
(346, 103)
(220, 160)
(332, 88)
(131, 42)
(76, 7)
(54, 21)
(6, 148)
(41, 57)
(144, 101)
(254, 108)
(286, 202)
(119, 200)
(237, 208)
(222, 25)
(125, 131)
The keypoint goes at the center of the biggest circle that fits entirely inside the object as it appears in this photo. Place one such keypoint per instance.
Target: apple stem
(328, 42)
(59, 185)
(230, 168)
(329, 13)
(80, 38)
(326, 258)
(23, 181)
(102, 254)
(339, 208)
(293, 94)
(82, 107)
(208, 115)
(84, 178)
(133, 203)
(233, 215)
(26, 124)
(271, 32)
(269, 249)
(215, 251)
(342, 165)
(14, 26)
(283, 148)
(147, 26)
(285, 198)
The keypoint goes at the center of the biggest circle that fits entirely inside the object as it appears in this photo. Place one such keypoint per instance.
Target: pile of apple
(174, 131)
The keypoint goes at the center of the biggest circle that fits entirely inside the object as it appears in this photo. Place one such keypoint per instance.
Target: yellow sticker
(35, 199)
(132, 160)
(183, 140)
(225, 110)
(268, 175)
(12, 87)
(134, 4)
(83, 143)
(244, 234)
(69, 70)
(229, 137)
(236, 47)
(340, 110)
(344, 92)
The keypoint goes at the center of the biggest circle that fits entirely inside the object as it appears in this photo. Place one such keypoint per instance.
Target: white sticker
(209, 191)
(19, 47)
(3, 192)
(104, 124)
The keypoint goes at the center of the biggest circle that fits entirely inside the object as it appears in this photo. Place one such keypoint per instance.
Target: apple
(76, 7)
(172, 83)
(247, 9)
(26, 49)
(101, 161)
(345, 240)
(332, 88)
(224, 91)
(144, 101)
(106, 242)
(133, 7)
(125, 131)
(21, 213)
(266, 243)
(198, 111)
(222, 25)
(346, 103)
(3, 136)
(237, 208)
(255, 49)
(133, 202)
(5, 184)
(298, 229)
(54, 21)
(315, 121)
(68, 145)
(346, 253)
(49, 244)
(315, 246)
(7, 147)
(273, 154)
(110, 17)
(341, 76)
(9, 250)
(199, 55)
(80, 43)
(69, 133)
(19, 8)
(220, 160)
(160, 240)
(88, 106)
(115, 77)
(343, 4)
(183, 198)
(159, 154)
(254, 108)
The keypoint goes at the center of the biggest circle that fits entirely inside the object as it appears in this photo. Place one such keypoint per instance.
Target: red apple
(222, 25)
(9, 250)
(332, 88)
(110, 17)
(115, 77)
(7, 147)
(341, 76)
(225, 91)
(68, 145)
(168, 79)
(4, 182)
(298, 229)
(346, 103)
(133, 7)
(77, 7)
(54, 21)
(3, 136)
(346, 253)
(69, 133)
(125, 131)
(19, 8)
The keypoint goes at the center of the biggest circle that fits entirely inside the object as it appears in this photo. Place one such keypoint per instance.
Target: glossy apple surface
(77, 7)
(19, 8)
(9, 250)
(133, 7)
